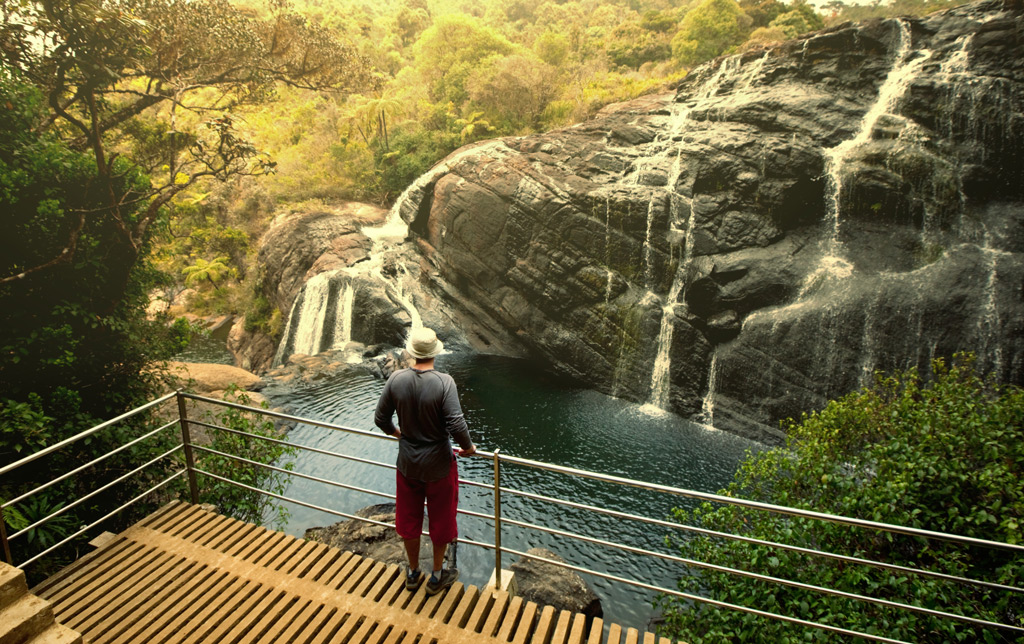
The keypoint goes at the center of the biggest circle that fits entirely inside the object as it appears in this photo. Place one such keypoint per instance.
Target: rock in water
(551, 585)
(798, 217)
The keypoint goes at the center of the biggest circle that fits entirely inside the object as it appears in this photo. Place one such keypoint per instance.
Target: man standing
(429, 416)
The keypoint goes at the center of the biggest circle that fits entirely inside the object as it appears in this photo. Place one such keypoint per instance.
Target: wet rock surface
(764, 239)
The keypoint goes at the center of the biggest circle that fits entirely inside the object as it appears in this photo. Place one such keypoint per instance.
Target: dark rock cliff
(764, 239)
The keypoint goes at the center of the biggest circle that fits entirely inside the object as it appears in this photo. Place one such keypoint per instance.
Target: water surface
(511, 405)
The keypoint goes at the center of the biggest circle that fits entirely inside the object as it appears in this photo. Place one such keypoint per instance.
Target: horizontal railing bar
(89, 432)
(88, 496)
(768, 507)
(317, 450)
(339, 513)
(707, 600)
(308, 477)
(761, 542)
(88, 465)
(705, 496)
(765, 578)
(282, 416)
(104, 518)
(317, 480)
(278, 441)
(281, 497)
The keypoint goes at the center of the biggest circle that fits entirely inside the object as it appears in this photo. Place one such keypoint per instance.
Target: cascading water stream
(905, 68)
(661, 386)
(320, 318)
(386, 238)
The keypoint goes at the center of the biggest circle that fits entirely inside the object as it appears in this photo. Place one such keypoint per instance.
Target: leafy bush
(231, 500)
(945, 456)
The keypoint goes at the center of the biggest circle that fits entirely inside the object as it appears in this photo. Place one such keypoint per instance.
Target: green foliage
(232, 500)
(945, 456)
(451, 49)
(709, 30)
(511, 89)
(39, 508)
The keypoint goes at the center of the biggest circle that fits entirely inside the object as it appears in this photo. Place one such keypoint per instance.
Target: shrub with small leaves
(945, 455)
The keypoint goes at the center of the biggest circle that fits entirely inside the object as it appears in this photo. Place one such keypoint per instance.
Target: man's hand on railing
(466, 452)
(397, 434)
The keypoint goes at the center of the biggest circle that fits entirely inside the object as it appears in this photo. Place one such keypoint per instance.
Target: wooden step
(24, 618)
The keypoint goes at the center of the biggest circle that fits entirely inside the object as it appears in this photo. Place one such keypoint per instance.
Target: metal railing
(192, 467)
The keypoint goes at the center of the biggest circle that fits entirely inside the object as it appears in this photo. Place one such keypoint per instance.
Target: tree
(514, 89)
(946, 456)
(102, 63)
(709, 30)
(450, 50)
(211, 271)
(371, 115)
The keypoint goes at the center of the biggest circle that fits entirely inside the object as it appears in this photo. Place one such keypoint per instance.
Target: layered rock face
(763, 240)
(316, 270)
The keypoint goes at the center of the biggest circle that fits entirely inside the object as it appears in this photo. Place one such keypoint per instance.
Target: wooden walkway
(184, 574)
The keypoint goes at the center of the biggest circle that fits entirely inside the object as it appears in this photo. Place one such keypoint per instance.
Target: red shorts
(442, 497)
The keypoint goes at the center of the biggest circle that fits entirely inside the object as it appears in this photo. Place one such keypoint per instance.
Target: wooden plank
(496, 614)
(233, 583)
(284, 557)
(462, 611)
(343, 574)
(234, 542)
(133, 597)
(220, 608)
(480, 611)
(596, 631)
(327, 632)
(542, 634)
(561, 628)
(444, 606)
(526, 623)
(272, 634)
(614, 634)
(306, 558)
(80, 606)
(368, 581)
(511, 620)
(266, 622)
(174, 611)
(384, 581)
(321, 563)
(579, 625)
(258, 606)
(356, 575)
(156, 609)
(101, 567)
(265, 550)
(309, 618)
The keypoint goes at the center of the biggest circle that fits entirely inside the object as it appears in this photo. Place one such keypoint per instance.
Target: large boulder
(765, 238)
(301, 243)
(548, 584)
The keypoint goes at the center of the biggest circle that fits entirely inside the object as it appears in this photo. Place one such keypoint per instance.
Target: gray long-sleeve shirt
(427, 404)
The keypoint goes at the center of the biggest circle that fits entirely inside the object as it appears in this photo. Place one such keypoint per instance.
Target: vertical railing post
(3, 537)
(497, 521)
(186, 441)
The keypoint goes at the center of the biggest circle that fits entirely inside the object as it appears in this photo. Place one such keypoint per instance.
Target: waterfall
(661, 385)
(708, 405)
(320, 318)
(388, 237)
(661, 372)
(903, 71)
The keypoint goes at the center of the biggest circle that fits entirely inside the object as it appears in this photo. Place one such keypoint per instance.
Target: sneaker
(413, 580)
(448, 577)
